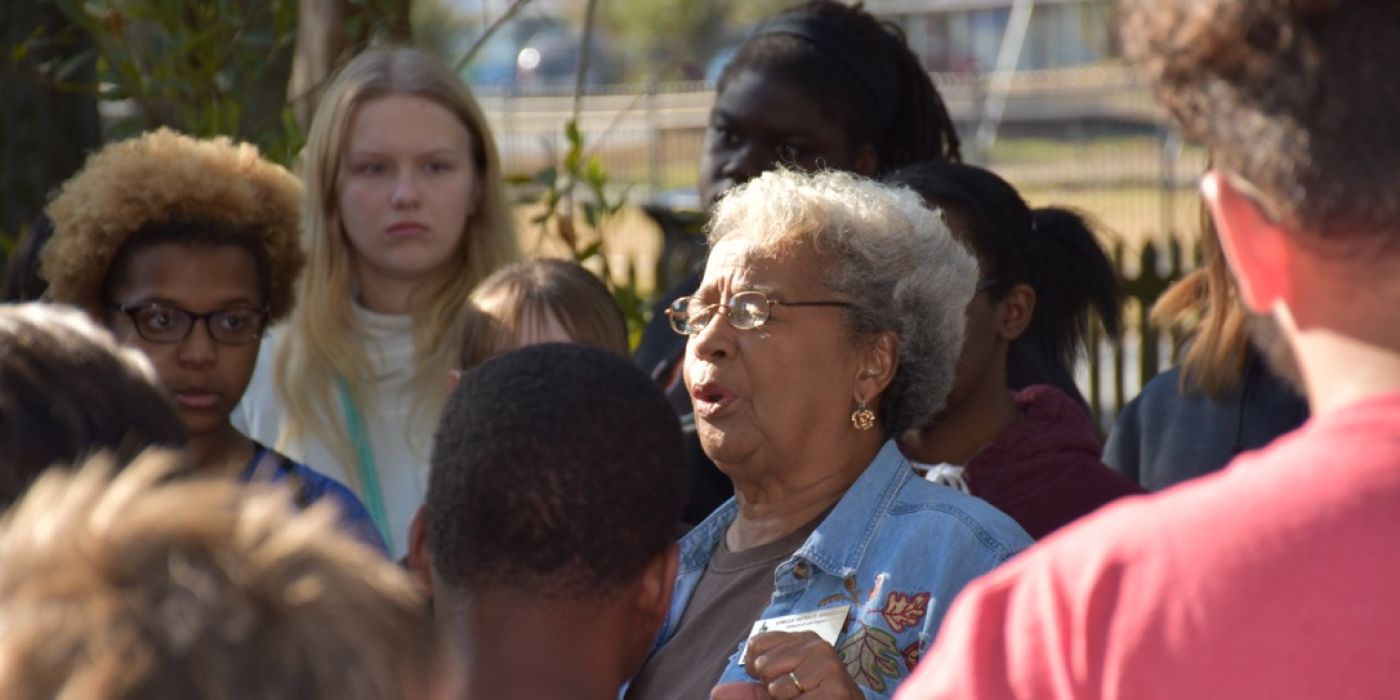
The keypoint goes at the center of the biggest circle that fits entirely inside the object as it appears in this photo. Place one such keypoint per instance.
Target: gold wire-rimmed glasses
(745, 311)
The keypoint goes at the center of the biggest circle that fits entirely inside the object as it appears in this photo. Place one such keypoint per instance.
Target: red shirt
(1045, 470)
(1278, 578)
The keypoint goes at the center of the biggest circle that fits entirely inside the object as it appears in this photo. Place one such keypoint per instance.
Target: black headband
(827, 34)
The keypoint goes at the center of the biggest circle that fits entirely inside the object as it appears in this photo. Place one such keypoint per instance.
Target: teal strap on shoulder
(364, 460)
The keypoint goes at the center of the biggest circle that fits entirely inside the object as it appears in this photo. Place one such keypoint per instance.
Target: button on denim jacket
(896, 548)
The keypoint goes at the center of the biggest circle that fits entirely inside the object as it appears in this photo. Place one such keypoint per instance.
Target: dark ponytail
(860, 71)
(1074, 283)
(1052, 250)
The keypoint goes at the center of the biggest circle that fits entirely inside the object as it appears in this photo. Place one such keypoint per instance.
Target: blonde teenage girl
(405, 212)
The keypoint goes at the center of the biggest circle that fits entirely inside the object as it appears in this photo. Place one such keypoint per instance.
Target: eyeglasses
(746, 311)
(985, 284)
(160, 323)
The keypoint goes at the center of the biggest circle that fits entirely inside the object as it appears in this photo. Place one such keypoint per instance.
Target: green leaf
(592, 249)
(590, 215)
(571, 133)
(594, 174)
(574, 156)
(520, 179)
(871, 656)
(547, 176)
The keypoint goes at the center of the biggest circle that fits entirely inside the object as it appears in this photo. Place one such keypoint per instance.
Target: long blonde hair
(1206, 303)
(319, 351)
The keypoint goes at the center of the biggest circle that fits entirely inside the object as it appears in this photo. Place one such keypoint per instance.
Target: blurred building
(961, 36)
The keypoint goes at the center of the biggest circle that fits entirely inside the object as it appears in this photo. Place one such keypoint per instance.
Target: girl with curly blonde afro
(187, 249)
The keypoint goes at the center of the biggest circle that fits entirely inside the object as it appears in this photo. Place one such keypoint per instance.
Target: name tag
(825, 623)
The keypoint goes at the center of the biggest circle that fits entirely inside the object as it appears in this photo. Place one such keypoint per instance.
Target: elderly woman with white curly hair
(829, 320)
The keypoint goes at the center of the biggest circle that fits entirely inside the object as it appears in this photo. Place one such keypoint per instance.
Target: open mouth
(711, 398)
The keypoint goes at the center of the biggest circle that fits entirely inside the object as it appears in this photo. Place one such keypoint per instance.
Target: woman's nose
(716, 339)
(406, 189)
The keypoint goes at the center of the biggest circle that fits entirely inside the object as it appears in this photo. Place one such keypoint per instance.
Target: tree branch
(486, 35)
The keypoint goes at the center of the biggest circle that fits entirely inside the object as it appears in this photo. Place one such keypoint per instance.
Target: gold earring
(863, 418)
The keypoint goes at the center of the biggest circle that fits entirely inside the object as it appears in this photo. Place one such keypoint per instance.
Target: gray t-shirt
(732, 592)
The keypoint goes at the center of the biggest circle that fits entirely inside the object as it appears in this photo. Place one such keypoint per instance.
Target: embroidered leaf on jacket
(871, 656)
(911, 655)
(904, 611)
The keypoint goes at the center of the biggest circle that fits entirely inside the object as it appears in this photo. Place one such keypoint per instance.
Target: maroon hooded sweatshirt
(1045, 470)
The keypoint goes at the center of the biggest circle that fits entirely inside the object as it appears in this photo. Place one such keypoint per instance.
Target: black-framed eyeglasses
(163, 323)
(746, 311)
(988, 283)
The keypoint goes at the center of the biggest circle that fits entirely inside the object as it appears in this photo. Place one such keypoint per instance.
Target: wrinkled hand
(776, 657)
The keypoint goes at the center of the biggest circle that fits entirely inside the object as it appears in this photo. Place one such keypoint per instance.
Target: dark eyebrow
(223, 305)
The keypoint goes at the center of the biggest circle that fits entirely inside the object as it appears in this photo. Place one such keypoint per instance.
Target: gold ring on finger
(792, 676)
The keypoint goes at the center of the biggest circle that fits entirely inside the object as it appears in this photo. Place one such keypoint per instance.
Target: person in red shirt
(1274, 578)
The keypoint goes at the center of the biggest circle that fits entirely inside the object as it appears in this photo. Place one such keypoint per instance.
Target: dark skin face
(759, 122)
(206, 379)
(979, 407)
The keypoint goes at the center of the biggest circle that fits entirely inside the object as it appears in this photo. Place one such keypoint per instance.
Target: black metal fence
(1116, 369)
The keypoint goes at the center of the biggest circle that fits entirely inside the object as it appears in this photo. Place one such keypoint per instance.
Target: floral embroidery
(904, 611)
(871, 657)
(911, 655)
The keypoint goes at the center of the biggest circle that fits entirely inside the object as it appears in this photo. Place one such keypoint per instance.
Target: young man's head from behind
(1297, 101)
(142, 586)
(67, 390)
(558, 478)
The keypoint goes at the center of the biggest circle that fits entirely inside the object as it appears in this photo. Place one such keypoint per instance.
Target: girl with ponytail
(1016, 431)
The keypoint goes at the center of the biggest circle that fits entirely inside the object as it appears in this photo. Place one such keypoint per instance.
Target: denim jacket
(896, 548)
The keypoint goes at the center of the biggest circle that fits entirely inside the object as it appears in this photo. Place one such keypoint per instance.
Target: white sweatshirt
(400, 450)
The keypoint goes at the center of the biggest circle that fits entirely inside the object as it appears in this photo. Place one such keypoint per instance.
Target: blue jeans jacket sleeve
(896, 548)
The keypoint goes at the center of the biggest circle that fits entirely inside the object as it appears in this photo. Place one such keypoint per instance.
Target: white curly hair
(887, 253)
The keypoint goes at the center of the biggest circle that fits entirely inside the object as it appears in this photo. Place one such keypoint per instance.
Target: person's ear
(1014, 311)
(867, 160)
(454, 377)
(1255, 244)
(651, 601)
(657, 583)
(420, 560)
(877, 367)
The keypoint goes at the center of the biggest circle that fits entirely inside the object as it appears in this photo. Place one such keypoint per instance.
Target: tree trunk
(329, 32)
(45, 133)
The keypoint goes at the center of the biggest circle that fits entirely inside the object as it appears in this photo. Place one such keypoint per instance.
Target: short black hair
(558, 470)
(67, 391)
(1052, 250)
(919, 126)
(193, 234)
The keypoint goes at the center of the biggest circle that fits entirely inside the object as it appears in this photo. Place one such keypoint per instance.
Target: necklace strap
(364, 459)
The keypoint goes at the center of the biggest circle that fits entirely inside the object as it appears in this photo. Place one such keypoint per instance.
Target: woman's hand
(789, 665)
